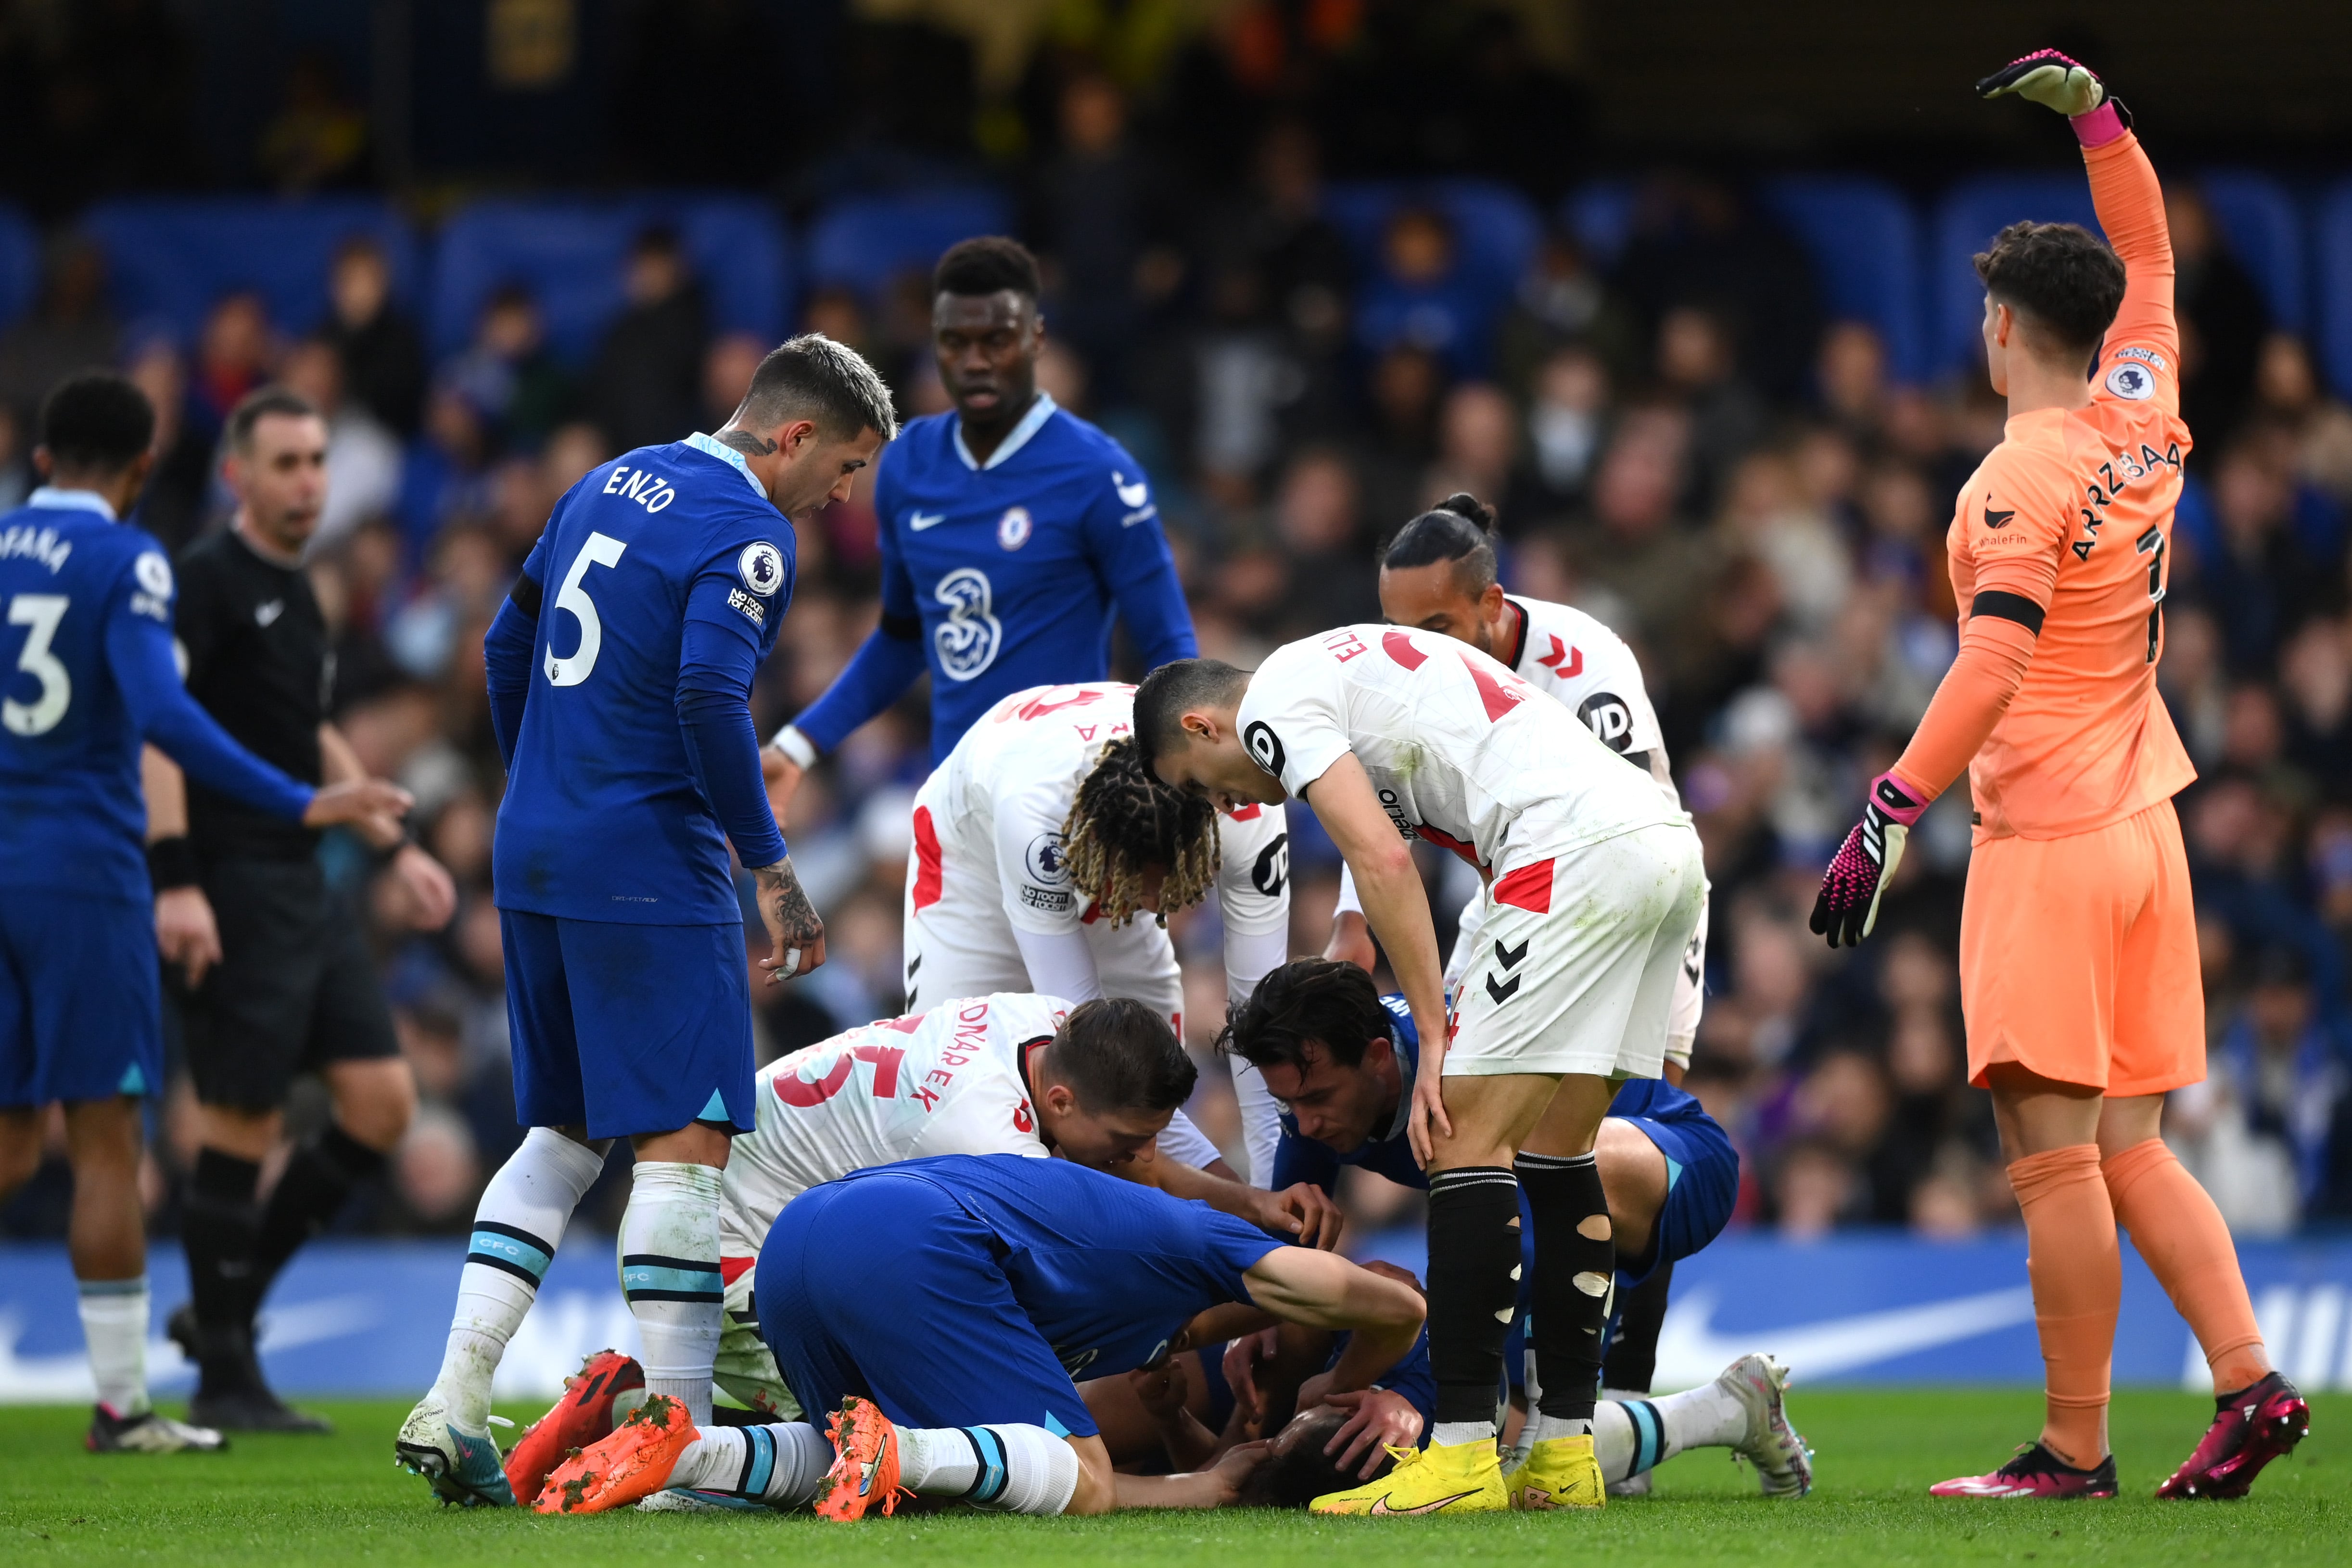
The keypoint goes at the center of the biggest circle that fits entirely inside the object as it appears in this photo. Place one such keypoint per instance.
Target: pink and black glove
(2051, 79)
(1848, 905)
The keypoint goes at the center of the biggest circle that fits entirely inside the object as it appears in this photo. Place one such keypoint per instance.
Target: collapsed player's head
(1297, 1471)
(1187, 726)
(1109, 1081)
(985, 328)
(1438, 574)
(1131, 844)
(2052, 290)
(815, 413)
(275, 465)
(97, 432)
(1317, 1032)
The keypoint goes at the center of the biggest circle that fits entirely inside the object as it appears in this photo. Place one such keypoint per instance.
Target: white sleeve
(1250, 957)
(1060, 963)
(1261, 1119)
(1254, 870)
(1349, 903)
(1030, 868)
(1291, 720)
(1182, 1141)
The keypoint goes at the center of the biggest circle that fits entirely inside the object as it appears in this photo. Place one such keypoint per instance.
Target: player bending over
(618, 671)
(1040, 840)
(1438, 574)
(941, 1308)
(1593, 890)
(2079, 972)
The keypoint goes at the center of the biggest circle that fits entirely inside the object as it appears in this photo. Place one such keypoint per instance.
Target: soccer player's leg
(2173, 1224)
(1744, 1409)
(522, 1217)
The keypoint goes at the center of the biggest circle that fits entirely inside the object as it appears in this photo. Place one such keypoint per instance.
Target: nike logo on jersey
(916, 521)
(266, 615)
(1997, 518)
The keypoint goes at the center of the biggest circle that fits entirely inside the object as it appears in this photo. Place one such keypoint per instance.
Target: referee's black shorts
(295, 990)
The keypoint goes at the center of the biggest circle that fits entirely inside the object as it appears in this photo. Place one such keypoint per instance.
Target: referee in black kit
(268, 966)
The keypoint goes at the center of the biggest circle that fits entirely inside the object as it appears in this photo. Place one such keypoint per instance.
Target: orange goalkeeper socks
(2077, 1273)
(2185, 1243)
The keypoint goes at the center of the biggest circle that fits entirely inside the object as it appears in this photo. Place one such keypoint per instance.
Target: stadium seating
(569, 255)
(864, 242)
(20, 264)
(2335, 288)
(1865, 244)
(169, 260)
(1496, 230)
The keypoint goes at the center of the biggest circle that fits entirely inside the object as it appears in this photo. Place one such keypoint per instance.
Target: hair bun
(1464, 504)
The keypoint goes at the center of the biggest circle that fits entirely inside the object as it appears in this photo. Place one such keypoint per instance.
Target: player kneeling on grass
(939, 1309)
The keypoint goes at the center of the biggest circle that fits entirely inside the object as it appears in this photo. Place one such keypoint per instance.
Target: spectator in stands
(1104, 216)
(1695, 241)
(445, 475)
(1563, 302)
(172, 506)
(1850, 373)
(646, 384)
(2258, 581)
(363, 459)
(235, 351)
(2222, 318)
(70, 328)
(726, 370)
(1422, 295)
(1318, 518)
(1634, 543)
(1397, 441)
(2286, 1069)
(1478, 452)
(383, 355)
(15, 459)
(319, 138)
(1699, 366)
(1568, 416)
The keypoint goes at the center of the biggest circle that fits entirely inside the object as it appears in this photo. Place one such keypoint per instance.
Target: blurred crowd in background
(1683, 442)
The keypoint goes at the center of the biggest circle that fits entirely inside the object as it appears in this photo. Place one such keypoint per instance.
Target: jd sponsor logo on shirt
(1013, 528)
(1272, 868)
(2131, 381)
(1606, 714)
(761, 567)
(1264, 746)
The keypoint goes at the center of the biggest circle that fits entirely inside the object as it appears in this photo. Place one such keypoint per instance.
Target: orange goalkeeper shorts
(2078, 958)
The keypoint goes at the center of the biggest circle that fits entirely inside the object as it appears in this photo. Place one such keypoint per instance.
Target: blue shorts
(885, 1287)
(81, 999)
(628, 1029)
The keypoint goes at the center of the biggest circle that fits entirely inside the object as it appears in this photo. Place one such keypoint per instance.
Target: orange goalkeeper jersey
(2073, 511)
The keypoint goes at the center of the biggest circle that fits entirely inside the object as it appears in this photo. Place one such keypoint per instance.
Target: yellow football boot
(1456, 1478)
(1559, 1472)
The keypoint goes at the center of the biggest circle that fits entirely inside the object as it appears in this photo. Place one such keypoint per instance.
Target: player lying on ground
(1041, 1269)
(1594, 889)
(85, 649)
(2079, 970)
(618, 668)
(1438, 574)
(1042, 838)
(1003, 1074)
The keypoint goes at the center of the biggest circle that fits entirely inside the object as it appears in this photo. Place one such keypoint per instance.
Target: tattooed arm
(791, 921)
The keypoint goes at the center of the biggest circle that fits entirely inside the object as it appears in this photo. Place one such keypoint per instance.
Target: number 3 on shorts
(599, 551)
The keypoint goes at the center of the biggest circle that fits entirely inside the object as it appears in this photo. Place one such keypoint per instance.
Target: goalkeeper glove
(2049, 78)
(1848, 905)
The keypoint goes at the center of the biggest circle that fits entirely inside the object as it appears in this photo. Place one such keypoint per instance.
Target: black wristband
(172, 863)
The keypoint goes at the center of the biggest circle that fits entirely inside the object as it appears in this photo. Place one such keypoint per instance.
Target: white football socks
(114, 1328)
(783, 1465)
(519, 1221)
(1632, 1433)
(1007, 1470)
(669, 1272)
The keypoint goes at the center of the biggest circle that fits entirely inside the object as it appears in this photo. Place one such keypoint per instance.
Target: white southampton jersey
(995, 809)
(1592, 672)
(948, 1081)
(1456, 753)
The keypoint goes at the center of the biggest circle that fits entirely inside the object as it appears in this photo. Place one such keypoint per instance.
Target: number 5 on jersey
(600, 549)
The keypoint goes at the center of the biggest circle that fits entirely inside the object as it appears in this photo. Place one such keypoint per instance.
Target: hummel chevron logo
(1510, 956)
(916, 521)
(1502, 993)
(1997, 518)
(1563, 660)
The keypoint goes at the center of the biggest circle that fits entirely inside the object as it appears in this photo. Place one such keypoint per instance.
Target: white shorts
(1585, 981)
(1690, 981)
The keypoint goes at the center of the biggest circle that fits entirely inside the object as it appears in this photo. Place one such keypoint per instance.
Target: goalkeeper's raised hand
(1848, 905)
(2049, 78)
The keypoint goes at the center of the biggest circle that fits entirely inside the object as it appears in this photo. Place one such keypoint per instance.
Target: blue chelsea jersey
(605, 817)
(1015, 568)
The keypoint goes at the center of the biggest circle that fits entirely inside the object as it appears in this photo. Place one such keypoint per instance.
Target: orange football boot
(583, 1416)
(635, 1461)
(866, 1463)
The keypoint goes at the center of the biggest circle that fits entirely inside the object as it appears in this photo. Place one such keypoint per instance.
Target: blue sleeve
(1297, 1159)
(886, 663)
(719, 653)
(1130, 555)
(139, 654)
(505, 662)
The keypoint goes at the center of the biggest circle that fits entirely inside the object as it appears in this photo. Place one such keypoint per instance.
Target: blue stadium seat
(170, 259)
(866, 241)
(2260, 222)
(1864, 243)
(1971, 213)
(1600, 213)
(2333, 293)
(20, 265)
(1495, 228)
(570, 253)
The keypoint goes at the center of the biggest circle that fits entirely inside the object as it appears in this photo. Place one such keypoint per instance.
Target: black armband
(2007, 606)
(172, 863)
(906, 629)
(526, 594)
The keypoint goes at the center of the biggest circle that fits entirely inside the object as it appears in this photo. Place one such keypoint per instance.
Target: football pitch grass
(339, 1500)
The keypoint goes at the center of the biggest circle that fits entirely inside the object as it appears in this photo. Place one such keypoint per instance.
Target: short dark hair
(1166, 692)
(1116, 1054)
(986, 264)
(1323, 1000)
(1303, 1471)
(814, 377)
(2059, 274)
(96, 421)
(1459, 529)
(261, 404)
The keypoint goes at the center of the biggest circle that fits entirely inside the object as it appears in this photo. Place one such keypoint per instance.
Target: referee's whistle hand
(372, 805)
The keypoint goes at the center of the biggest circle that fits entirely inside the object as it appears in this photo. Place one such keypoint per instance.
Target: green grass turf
(340, 1500)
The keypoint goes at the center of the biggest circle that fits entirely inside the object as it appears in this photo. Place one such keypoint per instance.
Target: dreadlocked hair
(1124, 820)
